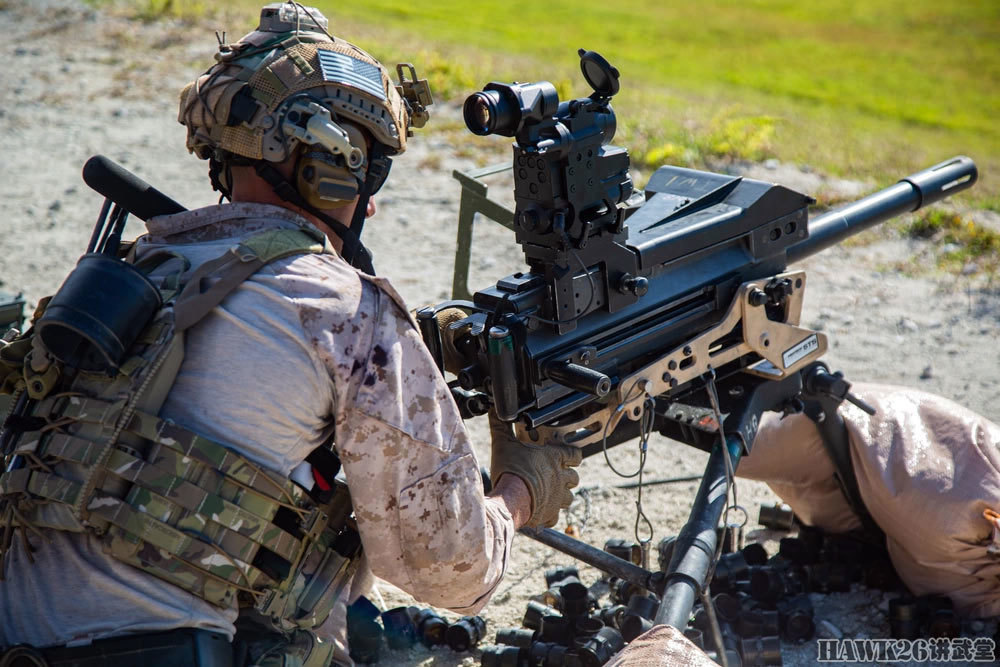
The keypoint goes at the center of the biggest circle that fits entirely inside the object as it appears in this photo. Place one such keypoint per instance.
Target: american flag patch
(340, 68)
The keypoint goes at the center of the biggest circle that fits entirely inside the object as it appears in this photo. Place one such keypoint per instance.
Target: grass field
(871, 89)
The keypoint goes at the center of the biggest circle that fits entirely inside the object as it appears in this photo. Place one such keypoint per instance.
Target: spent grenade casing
(556, 630)
(778, 516)
(830, 577)
(759, 623)
(364, 636)
(624, 549)
(633, 626)
(535, 612)
(431, 628)
(797, 551)
(642, 605)
(576, 599)
(665, 551)
(622, 590)
(400, 632)
(904, 618)
(519, 637)
(587, 626)
(944, 623)
(731, 567)
(761, 651)
(598, 649)
(547, 654)
(768, 583)
(696, 636)
(796, 618)
(502, 656)
(569, 596)
(639, 615)
(558, 575)
(754, 554)
(612, 616)
(727, 607)
(465, 633)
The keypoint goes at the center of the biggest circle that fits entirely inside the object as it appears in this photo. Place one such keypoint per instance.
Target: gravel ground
(79, 82)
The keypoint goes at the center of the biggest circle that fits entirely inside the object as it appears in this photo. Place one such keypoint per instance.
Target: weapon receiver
(629, 295)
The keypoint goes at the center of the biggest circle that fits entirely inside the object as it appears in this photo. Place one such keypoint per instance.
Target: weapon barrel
(922, 188)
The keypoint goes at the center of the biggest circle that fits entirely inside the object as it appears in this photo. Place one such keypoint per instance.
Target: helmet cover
(241, 105)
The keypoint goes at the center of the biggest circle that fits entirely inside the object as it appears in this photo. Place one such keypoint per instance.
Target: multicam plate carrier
(86, 451)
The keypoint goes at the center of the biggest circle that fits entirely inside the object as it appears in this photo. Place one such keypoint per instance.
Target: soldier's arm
(415, 483)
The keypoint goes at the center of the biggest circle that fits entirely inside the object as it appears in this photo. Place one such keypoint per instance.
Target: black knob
(634, 285)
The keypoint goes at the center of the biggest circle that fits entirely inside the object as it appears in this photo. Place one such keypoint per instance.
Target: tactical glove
(453, 359)
(547, 471)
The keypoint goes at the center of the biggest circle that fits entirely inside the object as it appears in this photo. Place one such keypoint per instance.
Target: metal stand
(474, 200)
(694, 552)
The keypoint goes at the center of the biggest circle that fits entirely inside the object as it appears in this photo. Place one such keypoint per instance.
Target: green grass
(961, 241)
(871, 90)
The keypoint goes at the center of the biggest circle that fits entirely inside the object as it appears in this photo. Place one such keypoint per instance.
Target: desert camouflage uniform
(305, 347)
(927, 470)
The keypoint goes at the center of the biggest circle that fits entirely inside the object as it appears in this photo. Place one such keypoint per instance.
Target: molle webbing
(177, 505)
(190, 497)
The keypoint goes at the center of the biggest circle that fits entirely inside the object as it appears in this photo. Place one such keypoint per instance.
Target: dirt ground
(78, 82)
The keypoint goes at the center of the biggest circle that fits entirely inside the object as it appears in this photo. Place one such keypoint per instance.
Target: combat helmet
(290, 89)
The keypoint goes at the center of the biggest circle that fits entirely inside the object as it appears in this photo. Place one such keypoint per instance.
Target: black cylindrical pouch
(98, 312)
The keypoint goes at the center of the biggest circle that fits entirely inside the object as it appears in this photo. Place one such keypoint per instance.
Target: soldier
(153, 545)
(927, 487)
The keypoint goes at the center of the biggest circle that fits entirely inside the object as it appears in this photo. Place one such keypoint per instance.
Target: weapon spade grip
(503, 373)
(127, 190)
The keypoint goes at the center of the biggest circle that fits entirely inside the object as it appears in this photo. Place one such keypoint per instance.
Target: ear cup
(324, 182)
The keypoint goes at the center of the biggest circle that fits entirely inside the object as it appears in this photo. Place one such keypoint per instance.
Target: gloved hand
(453, 359)
(547, 471)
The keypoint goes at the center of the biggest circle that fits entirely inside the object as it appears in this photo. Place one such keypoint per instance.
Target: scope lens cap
(599, 73)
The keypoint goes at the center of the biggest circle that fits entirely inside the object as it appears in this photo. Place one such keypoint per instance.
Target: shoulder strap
(199, 297)
(833, 431)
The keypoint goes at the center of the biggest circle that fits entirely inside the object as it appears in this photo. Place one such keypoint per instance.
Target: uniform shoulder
(325, 287)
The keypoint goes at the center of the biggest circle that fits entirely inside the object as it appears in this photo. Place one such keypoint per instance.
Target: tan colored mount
(784, 346)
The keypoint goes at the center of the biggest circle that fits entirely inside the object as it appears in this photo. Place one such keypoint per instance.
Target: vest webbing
(164, 499)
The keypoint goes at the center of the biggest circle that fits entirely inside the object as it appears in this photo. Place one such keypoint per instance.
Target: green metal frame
(474, 200)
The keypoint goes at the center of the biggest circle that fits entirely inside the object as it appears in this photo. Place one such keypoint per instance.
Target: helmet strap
(353, 251)
(216, 169)
(378, 169)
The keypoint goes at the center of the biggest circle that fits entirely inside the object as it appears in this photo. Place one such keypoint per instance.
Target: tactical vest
(87, 452)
